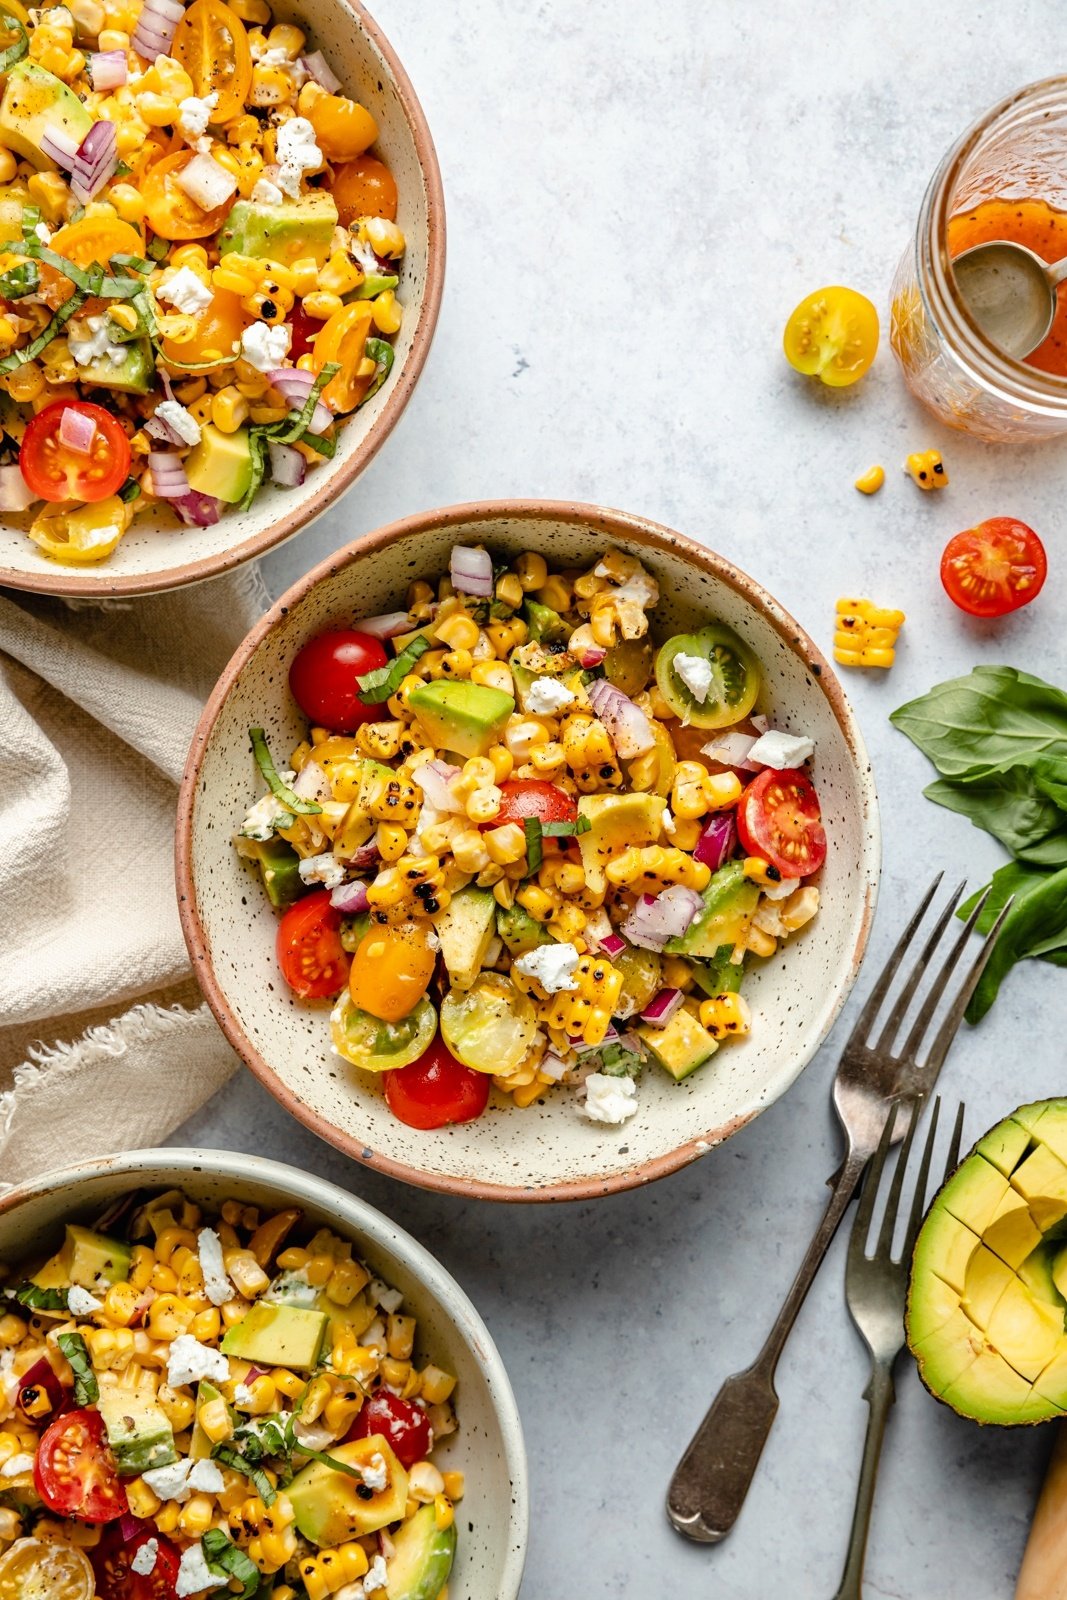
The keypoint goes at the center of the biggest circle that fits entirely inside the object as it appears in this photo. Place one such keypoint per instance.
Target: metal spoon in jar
(1010, 292)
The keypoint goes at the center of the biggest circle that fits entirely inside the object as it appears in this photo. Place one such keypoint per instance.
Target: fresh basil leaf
(158, 249)
(130, 490)
(257, 449)
(86, 1388)
(235, 1460)
(1012, 881)
(1008, 805)
(296, 424)
(133, 263)
(565, 830)
(382, 354)
(376, 687)
(20, 281)
(994, 719)
(31, 221)
(281, 791)
(226, 1561)
(1035, 926)
(18, 358)
(35, 1298)
(13, 52)
(329, 1461)
(531, 826)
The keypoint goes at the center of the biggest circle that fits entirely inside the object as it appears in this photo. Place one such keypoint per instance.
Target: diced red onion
(196, 509)
(155, 27)
(97, 158)
(591, 656)
(350, 899)
(365, 856)
(58, 145)
(667, 916)
(731, 749)
(321, 418)
(318, 68)
(471, 571)
(717, 841)
(293, 383)
(311, 783)
(15, 492)
(387, 626)
(761, 723)
(168, 475)
(630, 730)
(107, 69)
(580, 1048)
(156, 428)
(77, 431)
(255, 1372)
(552, 1065)
(661, 1009)
(631, 1042)
(131, 1527)
(433, 779)
(613, 945)
(287, 466)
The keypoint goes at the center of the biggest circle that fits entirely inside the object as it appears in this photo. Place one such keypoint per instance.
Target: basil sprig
(18, 358)
(238, 1462)
(281, 791)
(292, 430)
(226, 1561)
(376, 686)
(86, 1388)
(382, 354)
(34, 1298)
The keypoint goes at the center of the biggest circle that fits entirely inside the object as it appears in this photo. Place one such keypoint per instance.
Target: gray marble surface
(637, 197)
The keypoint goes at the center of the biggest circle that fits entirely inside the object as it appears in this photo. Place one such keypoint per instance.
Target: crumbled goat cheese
(96, 538)
(263, 818)
(81, 1302)
(194, 1574)
(609, 1099)
(325, 869)
(88, 341)
(242, 1395)
(217, 1285)
(189, 1361)
(695, 673)
(182, 1479)
(144, 1559)
(206, 182)
(185, 292)
(375, 1474)
(17, 1464)
(264, 347)
(205, 1478)
(297, 153)
(184, 424)
(553, 965)
(266, 193)
(547, 695)
(43, 232)
(781, 750)
(389, 1299)
(641, 587)
(194, 114)
(377, 1576)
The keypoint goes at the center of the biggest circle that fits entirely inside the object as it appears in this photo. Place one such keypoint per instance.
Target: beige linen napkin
(104, 1042)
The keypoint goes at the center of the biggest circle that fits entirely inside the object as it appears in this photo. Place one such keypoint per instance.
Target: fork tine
(915, 976)
(947, 1031)
(930, 1004)
(866, 1019)
(918, 1204)
(953, 1159)
(861, 1227)
(884, 1247)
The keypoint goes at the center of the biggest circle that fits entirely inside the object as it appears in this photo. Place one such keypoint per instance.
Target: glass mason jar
(1016, 151)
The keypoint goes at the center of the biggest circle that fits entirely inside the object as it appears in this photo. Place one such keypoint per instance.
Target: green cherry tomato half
(379, 1046)
(735, 678)
(489, 1027)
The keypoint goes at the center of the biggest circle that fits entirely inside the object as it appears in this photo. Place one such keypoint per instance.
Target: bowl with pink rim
(547, 1150)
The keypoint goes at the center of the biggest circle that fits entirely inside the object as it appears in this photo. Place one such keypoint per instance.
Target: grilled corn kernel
(493, 675)
(725, 1016)
(505, 845)
(120, 1305)
(322, 305)
(926, 468)
(484, 804)
(866, 634)
(179, 1409)
(386, 239)
(435, 1385)
(871, 481)
(459, 632)
(8, 166)
(531, 571)
(141, 1499)
(213, 1418)
(229, 409)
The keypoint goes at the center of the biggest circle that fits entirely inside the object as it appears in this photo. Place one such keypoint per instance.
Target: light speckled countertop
(636, 198)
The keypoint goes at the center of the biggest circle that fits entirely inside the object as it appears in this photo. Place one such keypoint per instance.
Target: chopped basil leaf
(132, 263)
(38, 1299)
(31, 221)
(239, 1463)
(329, 1461)
(18, 358)
(376, 686)
(158, 249)
(13, 52)
(565, 830)
(86, 1388)
(130, 490)
(281, 791)
(292, 430)
(20, 281)
(532, 829)
(225, 1560)
(382, 354)
(296, 424)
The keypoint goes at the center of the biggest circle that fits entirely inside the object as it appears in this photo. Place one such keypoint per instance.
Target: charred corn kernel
(322, 305)
(340, 275)
(651, 867)
(469, 850)
(387, 312)
(345, 1282)
(120, 1305)
(400, 1336)
(566, 876)
(484, 804)
(391, 841)
(866, 634)
(438, 837)
(588, 1009)
(246, 1273)
(509, 590)
(111, 1349)
(329, 1570)
(531, 571)
(318, 1392)
(26, 383)
(686, 832)
(385, 238)
(756, 870)
(926, 468)
(549, 758)
(229, 409)
(760, 943)
(168, 1316)
(799, 908)
(391, 798)
(506, 844)
(164, 1280)
(504, 636)
(457, 664)
(459, 632)
(213, 1418)
(493, 675)
(380, 740)
(568, 923)
(197, 1515)
(722, 789)
(293, 1259)
(142, 1501)
(287, 1383)
(537, 902)
(477, 772)
(504, 893)
(272, 86)
(522, 734)
(871, 481)
(725, 1016)
(556, 592)
(443, 1514)
(262, 1396)
(688, 799)
(179, 1409)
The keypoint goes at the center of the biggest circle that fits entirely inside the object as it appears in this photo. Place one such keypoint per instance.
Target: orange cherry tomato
(343, 128)
(342, 339)
(391, 970)
(171, 212)
(218, 332)
(364, 188)
(211, 44)
(92, 240)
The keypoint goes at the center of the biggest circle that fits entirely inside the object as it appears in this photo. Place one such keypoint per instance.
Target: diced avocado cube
(329, 1506)
(164, 1211)
(464, 717)
(221, 464)
(422, 1557)
(290, 231)
(616, 822)
(280, 866)
(719, 976)
(277, 1336)
(375, 283)
(134, 376)
(35, 103)
(10, 221)
(729, 901)
(682, 1046)
(139, 1434)
(519, 931)
(90, 1260)
(544, 624)
(465, 928)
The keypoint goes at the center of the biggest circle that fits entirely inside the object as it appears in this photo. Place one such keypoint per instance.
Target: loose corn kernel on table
(637, 200)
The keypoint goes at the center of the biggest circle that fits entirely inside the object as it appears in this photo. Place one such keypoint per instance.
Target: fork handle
(712, 1479)
(879, 1395)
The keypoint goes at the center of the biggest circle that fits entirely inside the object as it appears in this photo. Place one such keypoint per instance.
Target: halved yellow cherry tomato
(79, 534)
(216, 334)
(211, 44)
(342, 338)
(92, 240)
(364, 188)
(391, 970)
(343, 128)
(833, 335)
(39, 1569)
(14, 9)
(171, 212)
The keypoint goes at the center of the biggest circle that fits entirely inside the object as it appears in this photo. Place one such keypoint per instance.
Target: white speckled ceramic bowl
(549, 1151)
(488, 1447)
(155, 554)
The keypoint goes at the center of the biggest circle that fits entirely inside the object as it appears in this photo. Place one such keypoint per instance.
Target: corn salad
(199, 263)
(523, 846)
(188, 1399)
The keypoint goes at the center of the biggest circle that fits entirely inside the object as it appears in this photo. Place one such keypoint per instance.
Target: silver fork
(711, 1480)
(876, 1288)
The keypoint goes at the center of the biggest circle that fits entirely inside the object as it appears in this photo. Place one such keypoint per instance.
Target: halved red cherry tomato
(778, 818)
(323, 678)
(994, 568)
(436, 1090)
(391, 970)
(304, 330)
(112, 1562)
(313, 961)
(405, 1427)
(74, 1471)
(533, 797)
(56, 472)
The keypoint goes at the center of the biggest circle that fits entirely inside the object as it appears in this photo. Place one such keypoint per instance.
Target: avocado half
(987, 1314)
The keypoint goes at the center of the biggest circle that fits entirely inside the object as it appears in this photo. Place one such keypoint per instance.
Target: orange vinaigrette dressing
(1042, 230)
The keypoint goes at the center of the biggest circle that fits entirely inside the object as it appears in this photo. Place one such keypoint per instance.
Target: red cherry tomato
(314, 963)
(112, 1560)
(405, 1427)
(74, 1470)
(323, 678)
(38, 1385)
(533, 797)
(436, 1090)
(778, 818)
(994, 568)
(304, 330)
(56, 472)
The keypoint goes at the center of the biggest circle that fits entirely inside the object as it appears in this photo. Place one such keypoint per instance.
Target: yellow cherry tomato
(364, 188)
(171, 212)
(391, 970)
(342, 338)
(92, 240)
(833, 335)
(78, 534)
(343, 128)
(211, 43)
(217, 333)
(36, 1569)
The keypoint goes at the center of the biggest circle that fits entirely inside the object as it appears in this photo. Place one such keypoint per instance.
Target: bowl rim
(97, 584)
(363, 1218)
(656, 537)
